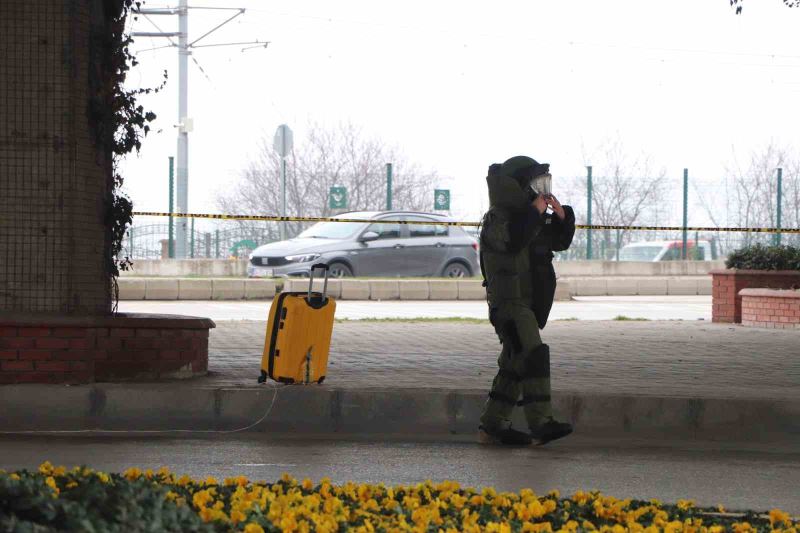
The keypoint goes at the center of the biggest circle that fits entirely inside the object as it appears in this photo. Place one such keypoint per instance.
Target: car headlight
(305, 258)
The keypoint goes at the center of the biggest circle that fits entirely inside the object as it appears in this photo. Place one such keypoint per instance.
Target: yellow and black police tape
(269, 218)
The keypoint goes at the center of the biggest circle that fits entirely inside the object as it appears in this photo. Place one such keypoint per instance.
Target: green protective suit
(516, 258)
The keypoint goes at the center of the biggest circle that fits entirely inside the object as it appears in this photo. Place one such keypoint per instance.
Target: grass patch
(568, 319)
(623, 318)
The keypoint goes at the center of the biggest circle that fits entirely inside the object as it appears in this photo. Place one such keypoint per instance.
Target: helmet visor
(542, 184)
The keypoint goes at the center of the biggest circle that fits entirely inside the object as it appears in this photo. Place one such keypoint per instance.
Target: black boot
(506, 437)
(550, 430)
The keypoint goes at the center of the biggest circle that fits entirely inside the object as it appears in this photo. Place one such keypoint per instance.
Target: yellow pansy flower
(51, 482)
(776, 515)
(685, 505)
(46, 468)
(494, 527)
(538, 527)
(201, 498)
(237, 516)
(241, 481)
(132, 474)
(581, 498)
(253, 528)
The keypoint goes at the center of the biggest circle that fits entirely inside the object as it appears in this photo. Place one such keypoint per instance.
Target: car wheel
(456, 270)
(340, 270)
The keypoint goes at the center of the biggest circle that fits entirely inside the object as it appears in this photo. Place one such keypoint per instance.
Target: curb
(443, 290)
(378, 412)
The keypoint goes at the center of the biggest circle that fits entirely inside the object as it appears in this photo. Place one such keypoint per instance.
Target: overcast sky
(460, 85)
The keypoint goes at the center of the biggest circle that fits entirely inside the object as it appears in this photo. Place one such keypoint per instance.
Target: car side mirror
(369, 236)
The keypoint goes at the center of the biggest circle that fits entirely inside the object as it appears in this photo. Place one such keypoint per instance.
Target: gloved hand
(540, 203)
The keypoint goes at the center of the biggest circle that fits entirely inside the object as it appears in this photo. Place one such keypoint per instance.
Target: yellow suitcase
(299, 332)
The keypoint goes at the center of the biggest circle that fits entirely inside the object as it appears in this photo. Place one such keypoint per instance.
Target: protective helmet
(523, 169)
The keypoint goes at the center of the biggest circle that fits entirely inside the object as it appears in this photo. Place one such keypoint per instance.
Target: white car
(667, 251)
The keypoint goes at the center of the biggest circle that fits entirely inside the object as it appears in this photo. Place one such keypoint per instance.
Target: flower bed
(82, 499)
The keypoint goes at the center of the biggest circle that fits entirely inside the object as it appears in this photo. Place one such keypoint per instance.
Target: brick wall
(48, 353)
(727, 284)
(771, 308)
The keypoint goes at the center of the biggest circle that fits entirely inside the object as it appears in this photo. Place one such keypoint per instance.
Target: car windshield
(639, 253)
(331, 230)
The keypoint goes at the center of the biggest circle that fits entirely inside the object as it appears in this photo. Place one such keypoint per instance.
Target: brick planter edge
(768, 308)
(38, 348)
(727, 283)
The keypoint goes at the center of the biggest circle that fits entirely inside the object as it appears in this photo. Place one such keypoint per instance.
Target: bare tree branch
(342, 156)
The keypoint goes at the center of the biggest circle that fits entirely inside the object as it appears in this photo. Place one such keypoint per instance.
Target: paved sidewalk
(582, 308)
(663, 358)
(650, 380)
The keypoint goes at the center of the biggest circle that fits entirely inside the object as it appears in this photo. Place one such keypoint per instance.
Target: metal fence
(606, 244)
(151, 241)
(148, 238)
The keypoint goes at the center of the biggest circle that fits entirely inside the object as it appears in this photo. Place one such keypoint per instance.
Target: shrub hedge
(759, 257)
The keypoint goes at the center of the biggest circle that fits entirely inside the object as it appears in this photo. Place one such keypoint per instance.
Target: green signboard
(338, 198)
(441, 200)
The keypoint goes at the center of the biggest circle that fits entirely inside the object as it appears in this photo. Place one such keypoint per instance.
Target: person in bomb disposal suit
(518, 237)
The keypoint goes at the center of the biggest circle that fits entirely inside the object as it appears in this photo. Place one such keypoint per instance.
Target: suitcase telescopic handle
(327, 269)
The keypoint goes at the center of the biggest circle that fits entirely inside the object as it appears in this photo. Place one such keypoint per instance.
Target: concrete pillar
(53, 180)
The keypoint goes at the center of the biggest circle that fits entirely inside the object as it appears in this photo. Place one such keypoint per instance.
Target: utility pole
(182, 192)
(780, 201)
(589, 213)
(684, 254)
(171, 254)
(185, 124)
(388, 186)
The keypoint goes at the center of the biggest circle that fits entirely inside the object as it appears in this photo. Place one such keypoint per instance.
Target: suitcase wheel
(263, 377)
(321, 380)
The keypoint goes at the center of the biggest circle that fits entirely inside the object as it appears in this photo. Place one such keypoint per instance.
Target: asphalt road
(582, 308)
(707, 473)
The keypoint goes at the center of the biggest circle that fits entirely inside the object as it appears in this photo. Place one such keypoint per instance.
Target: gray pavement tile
(660, 358)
